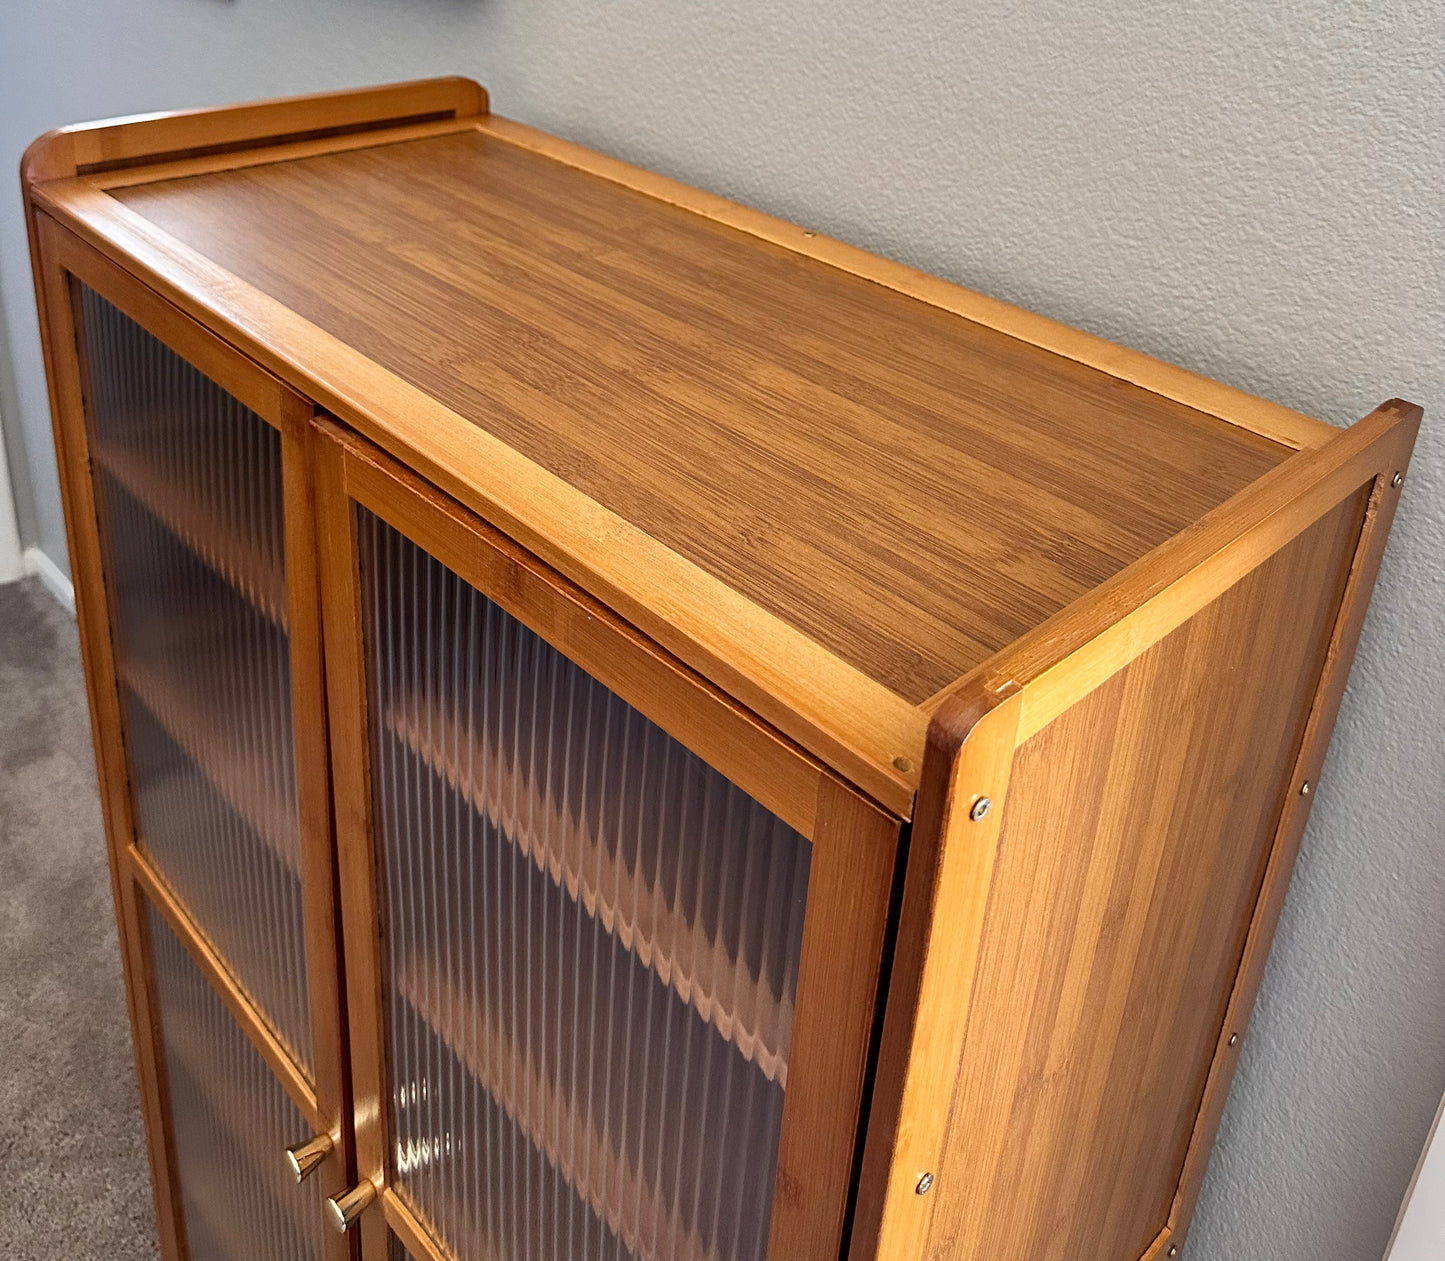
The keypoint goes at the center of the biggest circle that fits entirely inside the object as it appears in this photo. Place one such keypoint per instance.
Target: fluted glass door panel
(230, 1124)
(189, 494)
(592, 945)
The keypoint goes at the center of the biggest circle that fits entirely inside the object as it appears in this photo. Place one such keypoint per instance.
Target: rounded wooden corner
(50, 156)
(473, 100)
(960, 715)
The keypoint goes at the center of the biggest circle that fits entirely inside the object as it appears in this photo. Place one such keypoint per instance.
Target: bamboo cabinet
(628, 729)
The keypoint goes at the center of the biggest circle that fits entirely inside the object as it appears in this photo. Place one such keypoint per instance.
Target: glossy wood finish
(753, 411)
(868, 733)
(854, 852)
(951, 858)
(708, 722)
(148, 139)
(357, 903)
(1270, 420)
(227, 1116)
(1065, 657)
(842, 528)
(63, 375)
(150, 1061)
(854, 844)
(300, 612)
(415, 1240)
(1101, 451)
(213, 966)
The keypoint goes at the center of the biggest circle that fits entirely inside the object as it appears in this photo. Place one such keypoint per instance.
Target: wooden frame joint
(955, 722)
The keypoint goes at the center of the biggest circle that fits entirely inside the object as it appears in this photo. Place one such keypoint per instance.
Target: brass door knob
(342, 1210)
(304, 1157)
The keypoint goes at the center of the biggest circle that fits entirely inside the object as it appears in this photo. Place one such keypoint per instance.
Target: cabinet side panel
(1135, 837)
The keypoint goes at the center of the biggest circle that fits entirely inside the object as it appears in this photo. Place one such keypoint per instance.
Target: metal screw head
(923, 1184)
(1233, 1039)
(1304, 789)
(980, 808)
(1397, 481)
(1174, 1250)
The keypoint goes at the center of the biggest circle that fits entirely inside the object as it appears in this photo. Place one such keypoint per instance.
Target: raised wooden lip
(142, 139)
(1068, 655)
(1213, 398)
(151, 140)
(858, 727)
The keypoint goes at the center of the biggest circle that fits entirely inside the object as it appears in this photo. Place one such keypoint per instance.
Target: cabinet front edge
(869, 735)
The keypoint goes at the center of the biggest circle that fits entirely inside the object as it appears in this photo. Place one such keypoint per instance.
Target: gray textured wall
(1251, 190)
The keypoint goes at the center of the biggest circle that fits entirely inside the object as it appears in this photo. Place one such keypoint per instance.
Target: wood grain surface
(1135, 838)
(1392, 462)
(809, 499)
(856, 725)
(1272, 420)
(908, 488)
(854, 843)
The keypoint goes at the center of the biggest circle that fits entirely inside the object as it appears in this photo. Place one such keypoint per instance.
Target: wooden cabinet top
(829, 483)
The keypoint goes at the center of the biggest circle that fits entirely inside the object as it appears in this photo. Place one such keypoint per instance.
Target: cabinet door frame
(855, 842)
(62, 260)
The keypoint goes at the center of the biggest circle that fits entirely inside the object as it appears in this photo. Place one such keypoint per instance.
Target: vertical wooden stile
(63, 372)
(962, 801)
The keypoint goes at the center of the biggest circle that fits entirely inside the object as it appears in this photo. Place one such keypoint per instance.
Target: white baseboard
(51, 574)
(12, 559)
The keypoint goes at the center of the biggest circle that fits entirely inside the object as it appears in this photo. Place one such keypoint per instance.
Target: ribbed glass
(593, 946)
(188, 485)
(231, 1123)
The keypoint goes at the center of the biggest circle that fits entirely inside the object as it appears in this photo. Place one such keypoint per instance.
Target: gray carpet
(72, 1153)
